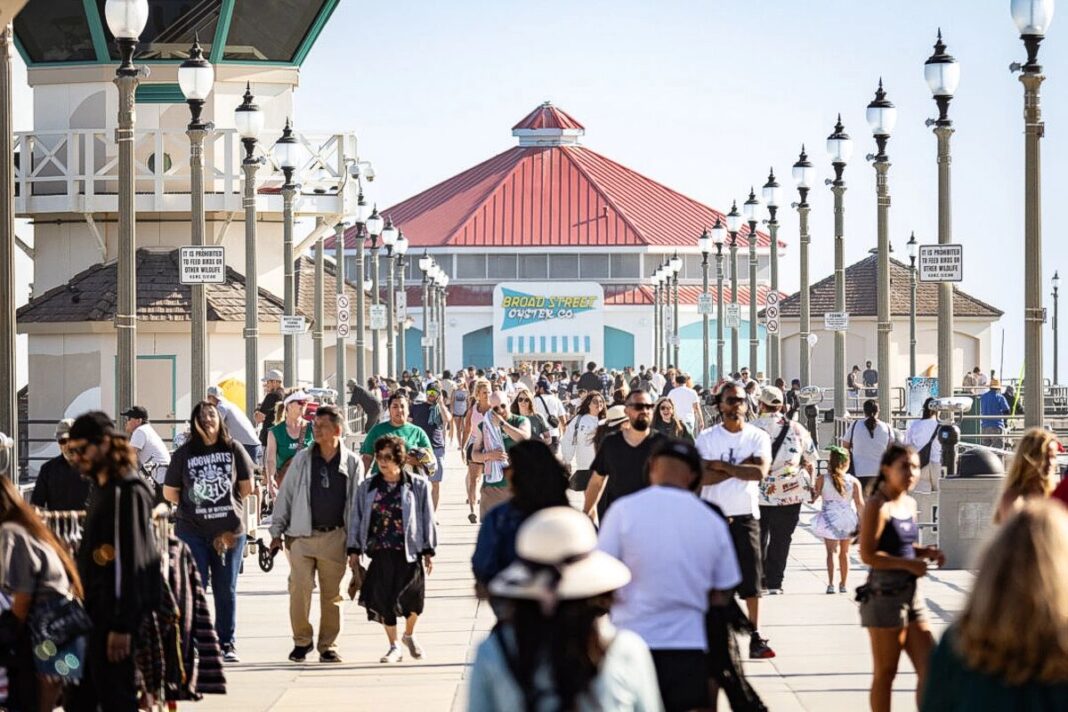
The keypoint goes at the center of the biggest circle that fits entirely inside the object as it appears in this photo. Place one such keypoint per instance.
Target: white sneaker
(413, 647)
(393, 655)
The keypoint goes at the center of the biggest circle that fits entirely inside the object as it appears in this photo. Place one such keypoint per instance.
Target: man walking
(273, 394)
(993, 403)
(412, 435)
(687, 404)
(590, 381)
(788, 484)
(240, 427)
(60, 486)
(549, 407)
(312, 510)
(429, 413)
(736, 456)
(618, 469)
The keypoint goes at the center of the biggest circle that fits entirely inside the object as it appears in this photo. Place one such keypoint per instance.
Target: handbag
(852, 469)
(59, 621)
(925, 451)
(551, 419)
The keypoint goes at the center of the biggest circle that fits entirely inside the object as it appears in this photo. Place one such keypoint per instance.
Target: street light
(840, 148)
(401, 249)
(361, 218)
(248, 119)
(719, 234)
(286, 155)
(882, 116)
(804, 174)
(676, 267)
(425, 263)
(1056, 289)
(772, 198)
(1032, 18)
(442, 302)
(734, 224)
(389, 239)
(912, 249)
(126, 19)
(750, 209)
(704, 243)
(375, 225)
(943, 75)
(196, 77)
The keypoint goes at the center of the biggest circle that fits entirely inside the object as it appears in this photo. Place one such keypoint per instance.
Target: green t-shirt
(288, 446)
(412, 435)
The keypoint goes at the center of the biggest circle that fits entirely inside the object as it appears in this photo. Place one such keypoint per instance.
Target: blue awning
(549, 344)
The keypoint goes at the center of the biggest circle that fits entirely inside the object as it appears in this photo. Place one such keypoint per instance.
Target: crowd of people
(630, 525)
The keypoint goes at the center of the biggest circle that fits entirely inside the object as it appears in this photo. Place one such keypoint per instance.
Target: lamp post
(719, 233)
(285, 154)
(401, 250)
(750, 209)
(1056, 290)
(8, 302)
(442, 301)
(340, 348)
(704, 243)
(654, 280)
(840, 148)
(126, 19)
(912, 248)
(660, 279)
(389, 239)
(249, 122)
(375, 225)
(804, 174)
(772, 197)
(676, 267)
(424, 267)
(1032, 18)
(882, 116)
(319, 309)
(734, 224)
(943, 75)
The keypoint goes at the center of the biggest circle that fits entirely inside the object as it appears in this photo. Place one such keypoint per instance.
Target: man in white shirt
(152, 454)
(241, 428)
(687, 404)
(546, 404)
(681, 561)
(736, 457)
(657, 378)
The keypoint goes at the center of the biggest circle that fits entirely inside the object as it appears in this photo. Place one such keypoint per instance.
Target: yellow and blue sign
(520, 309)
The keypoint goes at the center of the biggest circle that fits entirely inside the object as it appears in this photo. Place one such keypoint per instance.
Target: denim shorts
(894, 600)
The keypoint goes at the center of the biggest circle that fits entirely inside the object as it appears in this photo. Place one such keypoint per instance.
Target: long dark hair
(894, 452)
(538, 478)
(194, 428)
(871, 416)
(568, 640)
(675, 428)
(928, 408)
(584, 406)
(14, 509)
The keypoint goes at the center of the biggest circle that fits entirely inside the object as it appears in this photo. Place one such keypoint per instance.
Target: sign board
(343, 330)
(836, 321)
(941, 263)
(293, 325)
(377, 313)
(201, 265)
(402, 299)
(432, 330)
(772, 299)
(548, 319)
(674, 340)
(342, 301)
(732, 318)
(426, 341)
(402, 312)
(704, 304)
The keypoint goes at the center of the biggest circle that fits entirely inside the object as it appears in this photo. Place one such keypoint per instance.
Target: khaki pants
(491, 497)
(322, 552)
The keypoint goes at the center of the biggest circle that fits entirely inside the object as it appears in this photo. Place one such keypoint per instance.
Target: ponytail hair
(894, 452)
(928, 408)
(838, 465)
(871, 416)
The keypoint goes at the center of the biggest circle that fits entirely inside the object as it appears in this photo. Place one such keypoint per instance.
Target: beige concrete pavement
(823, 661)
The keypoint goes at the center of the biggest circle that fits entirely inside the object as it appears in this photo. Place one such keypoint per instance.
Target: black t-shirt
(371, 404)
(209, 504)
(327, 503)
(589, 381)
(623, 466)
(60, 487)
(267, 407)
(412, 385)
(420, 413)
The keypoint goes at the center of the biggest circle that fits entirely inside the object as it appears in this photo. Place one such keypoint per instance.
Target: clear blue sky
(704, 97)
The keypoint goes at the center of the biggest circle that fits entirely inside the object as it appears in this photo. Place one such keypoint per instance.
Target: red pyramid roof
(548, 116)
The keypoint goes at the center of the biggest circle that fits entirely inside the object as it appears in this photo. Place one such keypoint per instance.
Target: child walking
(836, 523)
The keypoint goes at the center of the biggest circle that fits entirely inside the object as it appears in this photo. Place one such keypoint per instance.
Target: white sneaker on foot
(393, 655)
(413, 647)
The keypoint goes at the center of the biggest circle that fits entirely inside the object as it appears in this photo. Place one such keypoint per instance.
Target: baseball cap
(136, 411)
(771, 395)
(63, 428)
(297, 397)
(214, 392)
(273, 375)
(93, 427)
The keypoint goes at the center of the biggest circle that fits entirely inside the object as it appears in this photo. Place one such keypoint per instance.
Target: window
(652, 261)
(502, 266)
(563, 266)
(625, 266)
(593, 266)
(270, 31)
(533, 266)
(470, 266)
(691, 266)
(55, 31)
(350, 268)
(172, 26)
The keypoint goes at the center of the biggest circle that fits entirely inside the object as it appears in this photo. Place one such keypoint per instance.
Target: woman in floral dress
(836, 523)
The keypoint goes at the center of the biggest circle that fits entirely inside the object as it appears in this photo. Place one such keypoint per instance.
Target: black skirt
(394, 587)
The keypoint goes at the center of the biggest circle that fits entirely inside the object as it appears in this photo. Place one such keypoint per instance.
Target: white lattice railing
(77, 171)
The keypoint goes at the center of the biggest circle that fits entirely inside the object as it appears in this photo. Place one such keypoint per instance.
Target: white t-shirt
(150, 448)
(684, 398)
(677, 550)
(546, 405)
(868, 448)
(734, 496)
(920, 432)
(658, 380)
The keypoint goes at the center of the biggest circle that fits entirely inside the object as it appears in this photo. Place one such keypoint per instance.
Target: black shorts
(683, 678)
(745, 532)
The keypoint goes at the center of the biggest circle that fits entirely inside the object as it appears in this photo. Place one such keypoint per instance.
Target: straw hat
(615, 415)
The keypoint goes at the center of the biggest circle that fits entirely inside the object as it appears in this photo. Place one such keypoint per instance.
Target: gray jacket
(417, 514)
(292, 508)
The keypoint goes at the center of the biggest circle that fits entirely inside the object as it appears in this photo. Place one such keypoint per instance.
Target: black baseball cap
(137, 411)
(93, 427)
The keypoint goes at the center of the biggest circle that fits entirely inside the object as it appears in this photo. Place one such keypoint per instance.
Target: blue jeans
(222, 572)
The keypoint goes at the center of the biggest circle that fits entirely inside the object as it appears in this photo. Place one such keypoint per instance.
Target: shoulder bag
(925, 451)
(551, 419)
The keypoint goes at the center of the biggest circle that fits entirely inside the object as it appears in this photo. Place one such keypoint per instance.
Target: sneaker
(842, 588)
(230, 654)
(330, 656)
(393, 655)
(758, 648)
(473, 518)
(413, 647)
(300, 652)
(774, 591)
(830, 588)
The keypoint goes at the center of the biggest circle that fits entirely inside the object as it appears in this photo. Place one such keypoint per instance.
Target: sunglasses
(734, 400)
(522, 400)
(78, 449)
(641, 406)
(324, 477)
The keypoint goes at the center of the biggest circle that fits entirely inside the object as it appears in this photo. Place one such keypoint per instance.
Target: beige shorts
(894, 600)
(490, 497)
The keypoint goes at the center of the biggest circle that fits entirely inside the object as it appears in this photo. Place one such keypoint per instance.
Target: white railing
(77, 171)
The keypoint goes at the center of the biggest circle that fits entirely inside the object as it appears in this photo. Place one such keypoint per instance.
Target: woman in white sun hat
(553, 647)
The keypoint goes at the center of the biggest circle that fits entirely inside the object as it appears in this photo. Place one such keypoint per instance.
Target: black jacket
(369, 402)
(60, 487)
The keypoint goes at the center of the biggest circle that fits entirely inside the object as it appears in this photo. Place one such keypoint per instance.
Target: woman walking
(498, 433)
(392, 522)
(866, 441)
(1032, 472)
(922, 435)
(891, 606)
(39, 575)
(552, 648)
(578, 446)
(665, 422)
(458, 403)
(1009, 649)
(480, 392)
(286, 439)
(836, 523)
(208, 478)
(524, 405)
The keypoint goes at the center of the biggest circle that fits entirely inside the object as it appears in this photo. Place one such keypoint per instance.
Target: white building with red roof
(550, 222)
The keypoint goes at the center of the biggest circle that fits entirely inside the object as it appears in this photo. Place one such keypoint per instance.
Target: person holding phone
(494, 437)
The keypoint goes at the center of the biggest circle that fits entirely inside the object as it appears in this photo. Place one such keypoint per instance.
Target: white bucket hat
(559, 561)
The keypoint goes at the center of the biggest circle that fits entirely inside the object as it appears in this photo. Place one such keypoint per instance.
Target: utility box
(966, 508)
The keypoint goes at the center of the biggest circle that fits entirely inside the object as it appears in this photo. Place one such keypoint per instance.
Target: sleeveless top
(477, 416)
(288, 446)
(898, 537)
(459, 402)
